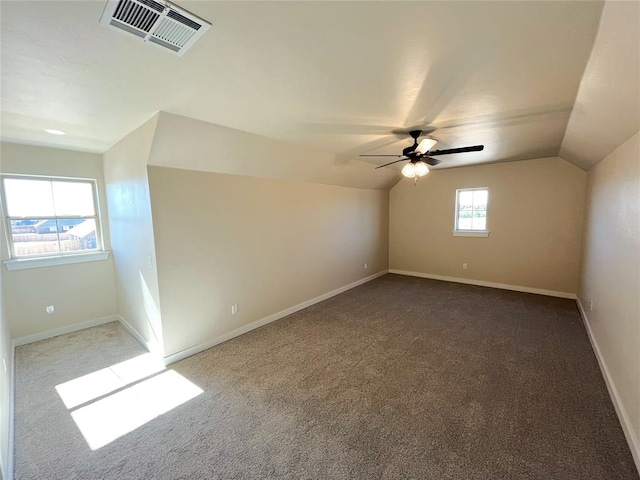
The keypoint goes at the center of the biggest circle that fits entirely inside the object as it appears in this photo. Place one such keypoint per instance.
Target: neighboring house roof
(83, 230)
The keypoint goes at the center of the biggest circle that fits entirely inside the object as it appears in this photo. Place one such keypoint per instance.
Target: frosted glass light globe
(421, 169)
(409, 170)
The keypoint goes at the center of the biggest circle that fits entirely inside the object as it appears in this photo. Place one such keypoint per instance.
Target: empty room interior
(320, 240)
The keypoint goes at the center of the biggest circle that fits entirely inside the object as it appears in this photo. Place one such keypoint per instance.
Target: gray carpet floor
(400, 378)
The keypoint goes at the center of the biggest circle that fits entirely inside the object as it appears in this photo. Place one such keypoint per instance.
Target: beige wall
(80, 292)
(182, 142)
(6, 354)
(263, 244)
(535, 217)
(6, 357)
(125, 174)
(611, 274)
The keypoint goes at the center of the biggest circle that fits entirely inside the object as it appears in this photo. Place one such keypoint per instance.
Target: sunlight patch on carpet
(114, 401)
(110, 418)
(94, 385)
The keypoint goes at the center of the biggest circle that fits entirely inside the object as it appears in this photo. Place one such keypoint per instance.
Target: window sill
(23, 263)
(470, 233)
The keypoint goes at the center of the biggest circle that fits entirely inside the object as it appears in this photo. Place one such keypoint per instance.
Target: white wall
(131, 224)
(80, 292)
(6, 354)
(6, 387)
(535, 217)
(606, 112)
(264, 244)
(611, 277)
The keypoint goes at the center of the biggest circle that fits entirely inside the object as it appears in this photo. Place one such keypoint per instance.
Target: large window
(471, 212)
(48, 217)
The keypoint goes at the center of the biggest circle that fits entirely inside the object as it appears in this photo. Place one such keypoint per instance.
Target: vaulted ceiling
(337, 77)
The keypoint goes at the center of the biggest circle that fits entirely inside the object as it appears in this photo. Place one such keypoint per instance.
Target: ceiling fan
(420, 154)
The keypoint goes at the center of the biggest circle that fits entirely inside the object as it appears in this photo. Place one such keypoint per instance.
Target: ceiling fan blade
(431, 161)
(391, 163)
(380, 155)
(425, 145)
(475, 148)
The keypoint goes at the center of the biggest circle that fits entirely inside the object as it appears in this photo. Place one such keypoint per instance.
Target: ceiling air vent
(161, 23)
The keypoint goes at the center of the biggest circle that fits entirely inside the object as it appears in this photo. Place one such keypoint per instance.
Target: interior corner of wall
(156, 126)
(148, 131)
(393, 183)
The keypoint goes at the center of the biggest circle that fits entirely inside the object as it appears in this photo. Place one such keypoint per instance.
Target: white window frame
(457, 232)
(44, 260)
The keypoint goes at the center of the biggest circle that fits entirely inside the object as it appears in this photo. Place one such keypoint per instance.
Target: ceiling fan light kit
(415, 170)
(420, 155)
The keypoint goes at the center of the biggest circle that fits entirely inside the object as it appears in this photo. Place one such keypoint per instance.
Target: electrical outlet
(366, 265)
(50, 310)
(234, 309)
(464, 266)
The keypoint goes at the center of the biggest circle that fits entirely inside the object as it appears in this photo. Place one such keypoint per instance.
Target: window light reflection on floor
(113, 410)
(116, 415)
(89, 387)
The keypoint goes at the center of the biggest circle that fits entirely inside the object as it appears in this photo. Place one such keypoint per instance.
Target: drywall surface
(182, 142)
(263, 244)
(535, 217)
(611, 273)
(607, 108)
(6, 359)
(6, 352)
(131, 225)
(80, 292)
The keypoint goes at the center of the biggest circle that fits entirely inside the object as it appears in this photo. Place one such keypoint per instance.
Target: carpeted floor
(400, 378)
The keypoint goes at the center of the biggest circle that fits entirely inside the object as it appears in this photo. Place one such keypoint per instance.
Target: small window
(49, 217)
(471, 212)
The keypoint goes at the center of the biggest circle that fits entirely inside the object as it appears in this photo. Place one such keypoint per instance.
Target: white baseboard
(137, 335)
(264, 321)
(482, 283)
(61, 331)
(632, 439)
(12, 383)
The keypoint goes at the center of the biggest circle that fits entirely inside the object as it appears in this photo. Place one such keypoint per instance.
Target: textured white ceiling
(338, 77)
(607, 109)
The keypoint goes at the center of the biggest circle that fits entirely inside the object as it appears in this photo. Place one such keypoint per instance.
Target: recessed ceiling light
(54, 132)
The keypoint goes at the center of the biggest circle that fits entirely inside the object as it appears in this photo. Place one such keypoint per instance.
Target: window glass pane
(480, 198)
(465, 201)
(52, 237)
(464, 223)
(28, 198)
(79, 235)
(34, 237)
(479, 223)
(472, 209)
(73, 198)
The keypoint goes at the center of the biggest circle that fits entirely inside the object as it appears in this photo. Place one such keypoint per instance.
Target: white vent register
(161, 23)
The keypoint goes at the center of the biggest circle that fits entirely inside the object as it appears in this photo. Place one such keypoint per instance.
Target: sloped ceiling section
(182, 142)
(337, 77)
(607, 108)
